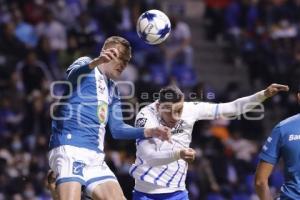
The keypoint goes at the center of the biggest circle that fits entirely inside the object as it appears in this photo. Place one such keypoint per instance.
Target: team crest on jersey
(102, 112)
(77, 168)
(141, 122)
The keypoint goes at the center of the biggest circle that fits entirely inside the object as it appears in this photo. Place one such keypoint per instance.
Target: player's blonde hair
(115, 40)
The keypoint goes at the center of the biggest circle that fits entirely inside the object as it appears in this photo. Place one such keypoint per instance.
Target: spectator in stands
(34, 73)
(54, 31)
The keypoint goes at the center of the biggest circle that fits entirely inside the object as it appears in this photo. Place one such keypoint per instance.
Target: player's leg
(104, 191)
(68, 164)
(50, 184)
(102, 183)
(69, 190)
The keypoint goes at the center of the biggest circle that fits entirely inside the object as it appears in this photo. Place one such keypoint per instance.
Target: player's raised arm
(84, 65)
(78, 67)
(245, 104)
(238, 106)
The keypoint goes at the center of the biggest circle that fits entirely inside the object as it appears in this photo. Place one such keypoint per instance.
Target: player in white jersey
(78, 127)
(160, 167)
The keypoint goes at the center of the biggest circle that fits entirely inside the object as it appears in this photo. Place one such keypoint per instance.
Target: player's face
(298, 95)
(116, 67)
(170, 113)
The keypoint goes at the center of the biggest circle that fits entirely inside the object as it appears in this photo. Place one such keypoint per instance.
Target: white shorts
(81, 165)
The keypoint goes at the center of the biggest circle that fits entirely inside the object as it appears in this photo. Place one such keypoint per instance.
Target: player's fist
(162, 132)
(274, 88)
(105, 56)
(187, 154)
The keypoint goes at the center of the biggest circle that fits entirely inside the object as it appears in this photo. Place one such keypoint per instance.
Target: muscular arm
(262, 174)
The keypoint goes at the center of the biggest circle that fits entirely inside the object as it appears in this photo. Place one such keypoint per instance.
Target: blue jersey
(285, 142)
(90, 102)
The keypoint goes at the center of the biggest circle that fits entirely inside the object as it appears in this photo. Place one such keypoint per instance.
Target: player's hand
(162, 132)
(50, 184)
(274, 88)
(188, 154)
(106, 56)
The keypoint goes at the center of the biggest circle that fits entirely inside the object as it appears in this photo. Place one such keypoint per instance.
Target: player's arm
(269, 156)
(77, 68)
(262, 174)
(121, 130)
(245, 104)
(155, 158)
(84, 65)
(148, 148)
(239, 106)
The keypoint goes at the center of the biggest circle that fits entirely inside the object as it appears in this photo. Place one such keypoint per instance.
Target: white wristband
(176, 154)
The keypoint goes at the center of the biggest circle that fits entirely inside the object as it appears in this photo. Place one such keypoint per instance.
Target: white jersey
(157, 169)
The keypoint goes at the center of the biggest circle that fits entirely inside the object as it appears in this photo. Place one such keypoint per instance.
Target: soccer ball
(153, 26)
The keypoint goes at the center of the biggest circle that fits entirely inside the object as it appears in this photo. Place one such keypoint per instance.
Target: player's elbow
(260, 182)
(116, 133)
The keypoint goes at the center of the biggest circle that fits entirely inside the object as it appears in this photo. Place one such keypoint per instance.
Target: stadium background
(230, 48)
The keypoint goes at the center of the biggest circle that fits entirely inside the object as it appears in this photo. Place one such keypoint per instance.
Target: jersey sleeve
(202, 110)
(77, 68)
(153, 157)
(242, 105)
(271, 149)
(118, 128)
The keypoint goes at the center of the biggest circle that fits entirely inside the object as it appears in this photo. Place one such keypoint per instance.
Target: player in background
(284, 142)
(160, 167)
(78, 127)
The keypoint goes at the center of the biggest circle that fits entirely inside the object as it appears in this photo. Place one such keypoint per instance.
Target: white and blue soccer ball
(153, 27)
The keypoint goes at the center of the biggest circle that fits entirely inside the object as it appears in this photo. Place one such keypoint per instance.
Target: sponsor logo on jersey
(178, 127)
(294, 137)
(102, 112)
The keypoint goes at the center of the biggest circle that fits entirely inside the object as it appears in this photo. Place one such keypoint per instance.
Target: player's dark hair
(114, 40)
(170, 94)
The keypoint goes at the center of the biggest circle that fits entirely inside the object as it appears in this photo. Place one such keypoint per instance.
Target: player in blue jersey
(78, 127)
(284, 142)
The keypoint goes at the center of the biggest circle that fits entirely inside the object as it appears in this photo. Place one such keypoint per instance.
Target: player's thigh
(68, 167)
(110, 190)
(69, 190)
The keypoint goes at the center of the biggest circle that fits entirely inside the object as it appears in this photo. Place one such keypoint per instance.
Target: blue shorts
(179, 195)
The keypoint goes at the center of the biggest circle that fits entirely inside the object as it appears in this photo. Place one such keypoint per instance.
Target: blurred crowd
(263, 34)
(39, 39)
